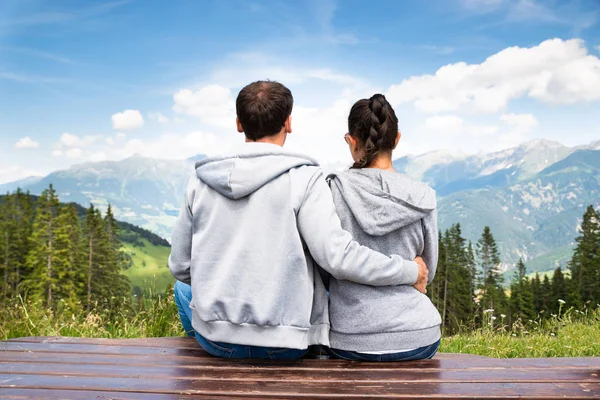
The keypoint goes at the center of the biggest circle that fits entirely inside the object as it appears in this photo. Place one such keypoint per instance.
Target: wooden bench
(176, 368)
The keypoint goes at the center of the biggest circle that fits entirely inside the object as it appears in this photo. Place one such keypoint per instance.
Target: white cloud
(448, 132)
(127, 120)
(13, 173)
(158, 117)
(74, 153)
(449, 123)
(69, 140)
(554, 72)
(26, 143)
(520, 122)
(175, 145)
(98, 156)
(319, 132)
(213, 104)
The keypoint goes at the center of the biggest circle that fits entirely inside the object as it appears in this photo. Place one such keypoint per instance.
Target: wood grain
(177, 368)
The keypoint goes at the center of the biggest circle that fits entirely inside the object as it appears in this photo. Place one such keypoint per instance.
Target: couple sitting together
(271, 257)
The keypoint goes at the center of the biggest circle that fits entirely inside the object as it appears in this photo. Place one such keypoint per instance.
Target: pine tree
(494, 296)
(69, 255)
(92, 233)
(459, 288)
(4, 247)
(120, 284)
(451, 291)
(559, 290)
(521, 295)
(471, 264)
(546, 295)
(585, 264)
(536, 289)
(44, 258)
(103, 272)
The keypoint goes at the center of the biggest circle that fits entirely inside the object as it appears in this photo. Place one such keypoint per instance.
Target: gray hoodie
(393, 214)
(252, 229)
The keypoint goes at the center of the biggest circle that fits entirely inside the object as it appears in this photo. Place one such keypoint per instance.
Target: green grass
(572, 334)
(148, 318)
(149, 266)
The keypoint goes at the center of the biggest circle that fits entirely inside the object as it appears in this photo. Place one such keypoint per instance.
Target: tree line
(49, 253)
(469, 283)
(55, 252)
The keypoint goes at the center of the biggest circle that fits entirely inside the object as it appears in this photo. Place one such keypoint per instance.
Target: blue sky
(93, 80)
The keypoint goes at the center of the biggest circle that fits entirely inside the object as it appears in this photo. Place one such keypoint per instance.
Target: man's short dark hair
(262, 108)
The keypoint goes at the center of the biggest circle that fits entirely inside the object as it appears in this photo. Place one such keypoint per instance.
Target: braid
(374, 130)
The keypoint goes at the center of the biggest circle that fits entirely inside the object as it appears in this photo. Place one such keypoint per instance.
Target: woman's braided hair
(374, 123)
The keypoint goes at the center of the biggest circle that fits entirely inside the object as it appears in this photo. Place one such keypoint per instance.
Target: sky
(92, 80)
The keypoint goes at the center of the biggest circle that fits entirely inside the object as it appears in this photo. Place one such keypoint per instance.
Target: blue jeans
(422, 353)
(183, 297)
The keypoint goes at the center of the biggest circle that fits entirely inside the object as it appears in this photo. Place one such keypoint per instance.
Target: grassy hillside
(149, 268)
(148, 253)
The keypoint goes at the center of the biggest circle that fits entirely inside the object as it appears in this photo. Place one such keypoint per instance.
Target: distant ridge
(531, 195)
(12, 186)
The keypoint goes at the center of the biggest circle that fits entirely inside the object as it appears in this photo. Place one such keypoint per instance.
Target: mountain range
(532, 196)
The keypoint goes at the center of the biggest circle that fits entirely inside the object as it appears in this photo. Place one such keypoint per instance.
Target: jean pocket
(282, 353)
(422, 353)
(219, 346)
(344, 355)
(216, 349)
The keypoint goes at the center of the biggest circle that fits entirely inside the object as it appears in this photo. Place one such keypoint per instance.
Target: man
(253, 228)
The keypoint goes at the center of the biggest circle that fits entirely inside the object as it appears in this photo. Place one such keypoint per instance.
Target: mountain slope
(450, 173)
(532, 196)
(143, 191)
(531, 218)
(21, 183)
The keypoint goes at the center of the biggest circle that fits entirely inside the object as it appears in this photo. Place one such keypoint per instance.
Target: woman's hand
(421, 282)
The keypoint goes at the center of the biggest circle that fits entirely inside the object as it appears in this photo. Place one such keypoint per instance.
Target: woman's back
(392, 214)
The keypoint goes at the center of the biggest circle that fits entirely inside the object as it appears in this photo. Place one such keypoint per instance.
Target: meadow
(572, 333)
(149, 266)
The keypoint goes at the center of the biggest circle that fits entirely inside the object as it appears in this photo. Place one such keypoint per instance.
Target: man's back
(248, 261)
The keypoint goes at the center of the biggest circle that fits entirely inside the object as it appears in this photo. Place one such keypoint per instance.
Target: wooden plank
(167, 342)
(45, 394)
(305, 364)
(100, 349)
(163, 342)
(305, 389)
(493, 375)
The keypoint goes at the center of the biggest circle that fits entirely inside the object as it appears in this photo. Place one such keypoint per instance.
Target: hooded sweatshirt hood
(243, 172)
(383, 201)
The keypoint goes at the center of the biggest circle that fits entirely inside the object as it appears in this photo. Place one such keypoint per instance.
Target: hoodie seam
(311, 183)
(231, 173)
(389, 196)
(272, 152)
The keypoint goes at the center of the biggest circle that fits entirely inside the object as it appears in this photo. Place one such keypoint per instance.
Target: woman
(393, 214)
